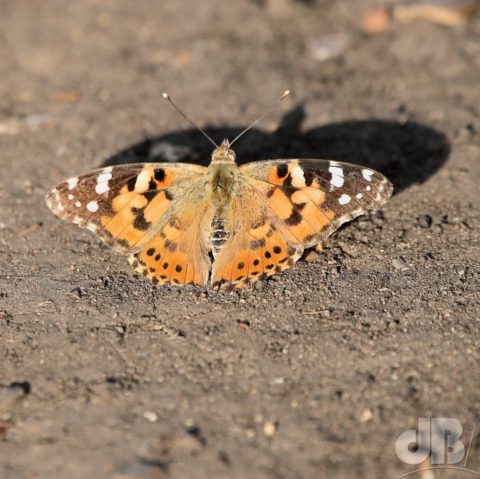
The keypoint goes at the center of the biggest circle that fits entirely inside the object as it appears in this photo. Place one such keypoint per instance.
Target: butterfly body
(185, 224)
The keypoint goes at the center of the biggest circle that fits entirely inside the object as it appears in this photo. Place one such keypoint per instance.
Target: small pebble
(150, 416)
(35, 120)
(78, 291)
(425, 221)
(67, 96)
(269, 428)
(328, 47)
(366, 415)
(452, 220)
(348, 250)
(325, 313)
(312, 256)
(10, 126)
(376, 21)
(399, 263)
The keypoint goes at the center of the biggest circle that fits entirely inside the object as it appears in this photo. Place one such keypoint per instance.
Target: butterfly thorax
(221, 175)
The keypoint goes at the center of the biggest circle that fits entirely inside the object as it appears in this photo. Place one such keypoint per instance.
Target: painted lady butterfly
(181, 223)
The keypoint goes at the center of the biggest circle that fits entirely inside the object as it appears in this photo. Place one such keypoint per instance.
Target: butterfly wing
(156, 213)
(284, 206)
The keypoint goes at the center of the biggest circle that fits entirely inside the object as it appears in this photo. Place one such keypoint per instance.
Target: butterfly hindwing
(178, 251)
(257, 246)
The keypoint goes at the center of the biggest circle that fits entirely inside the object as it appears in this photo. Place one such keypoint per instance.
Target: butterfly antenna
(167, 97)
(285, 94)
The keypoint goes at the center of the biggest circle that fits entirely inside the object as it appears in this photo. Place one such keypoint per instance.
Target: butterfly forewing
(320, 195)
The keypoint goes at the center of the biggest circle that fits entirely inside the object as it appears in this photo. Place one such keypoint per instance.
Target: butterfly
(231, 225)
(181, 223)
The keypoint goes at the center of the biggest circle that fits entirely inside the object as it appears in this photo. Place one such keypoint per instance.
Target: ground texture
(313, 373)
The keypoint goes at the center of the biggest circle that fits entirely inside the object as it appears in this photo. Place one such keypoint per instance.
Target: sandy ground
(314, 373)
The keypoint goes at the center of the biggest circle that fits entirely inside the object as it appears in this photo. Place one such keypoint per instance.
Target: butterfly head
(223, 153)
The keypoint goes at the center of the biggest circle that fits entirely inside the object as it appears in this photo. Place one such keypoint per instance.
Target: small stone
(363, 224)
(269, 428)
(376, 21)
(452, 220)
(150, 416)
(11, 395)
(66, 96)
(348, 250)
(312, 256)
(424, 221)
(398, 263)
(10, 126)
(337, 394)
(366, 416)
(194, 431)
(244, 323)
(78, 291)
(120, 329)
(258, 418)
(328, 47)
(35, 120)
(223, 456)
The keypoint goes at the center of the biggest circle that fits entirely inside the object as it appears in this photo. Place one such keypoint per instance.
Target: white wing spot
(298, 178)
(359, 196)
(344, 199)
(142, 181)
(78, 204)
(70, 197)
(102, 188)
(337, 176)
(102, 183)
(368, 188)
(104, 177)
(367, 174)
(92, 206)
(72, 182)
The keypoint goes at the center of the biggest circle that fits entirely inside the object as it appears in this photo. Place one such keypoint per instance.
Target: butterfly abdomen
(219, 235)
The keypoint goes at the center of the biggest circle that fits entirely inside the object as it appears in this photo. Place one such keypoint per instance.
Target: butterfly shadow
(407, 153)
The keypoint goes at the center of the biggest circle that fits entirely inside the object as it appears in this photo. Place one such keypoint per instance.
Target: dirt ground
(313, 373)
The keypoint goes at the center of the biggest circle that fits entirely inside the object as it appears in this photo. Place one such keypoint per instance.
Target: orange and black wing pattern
(282, 207)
